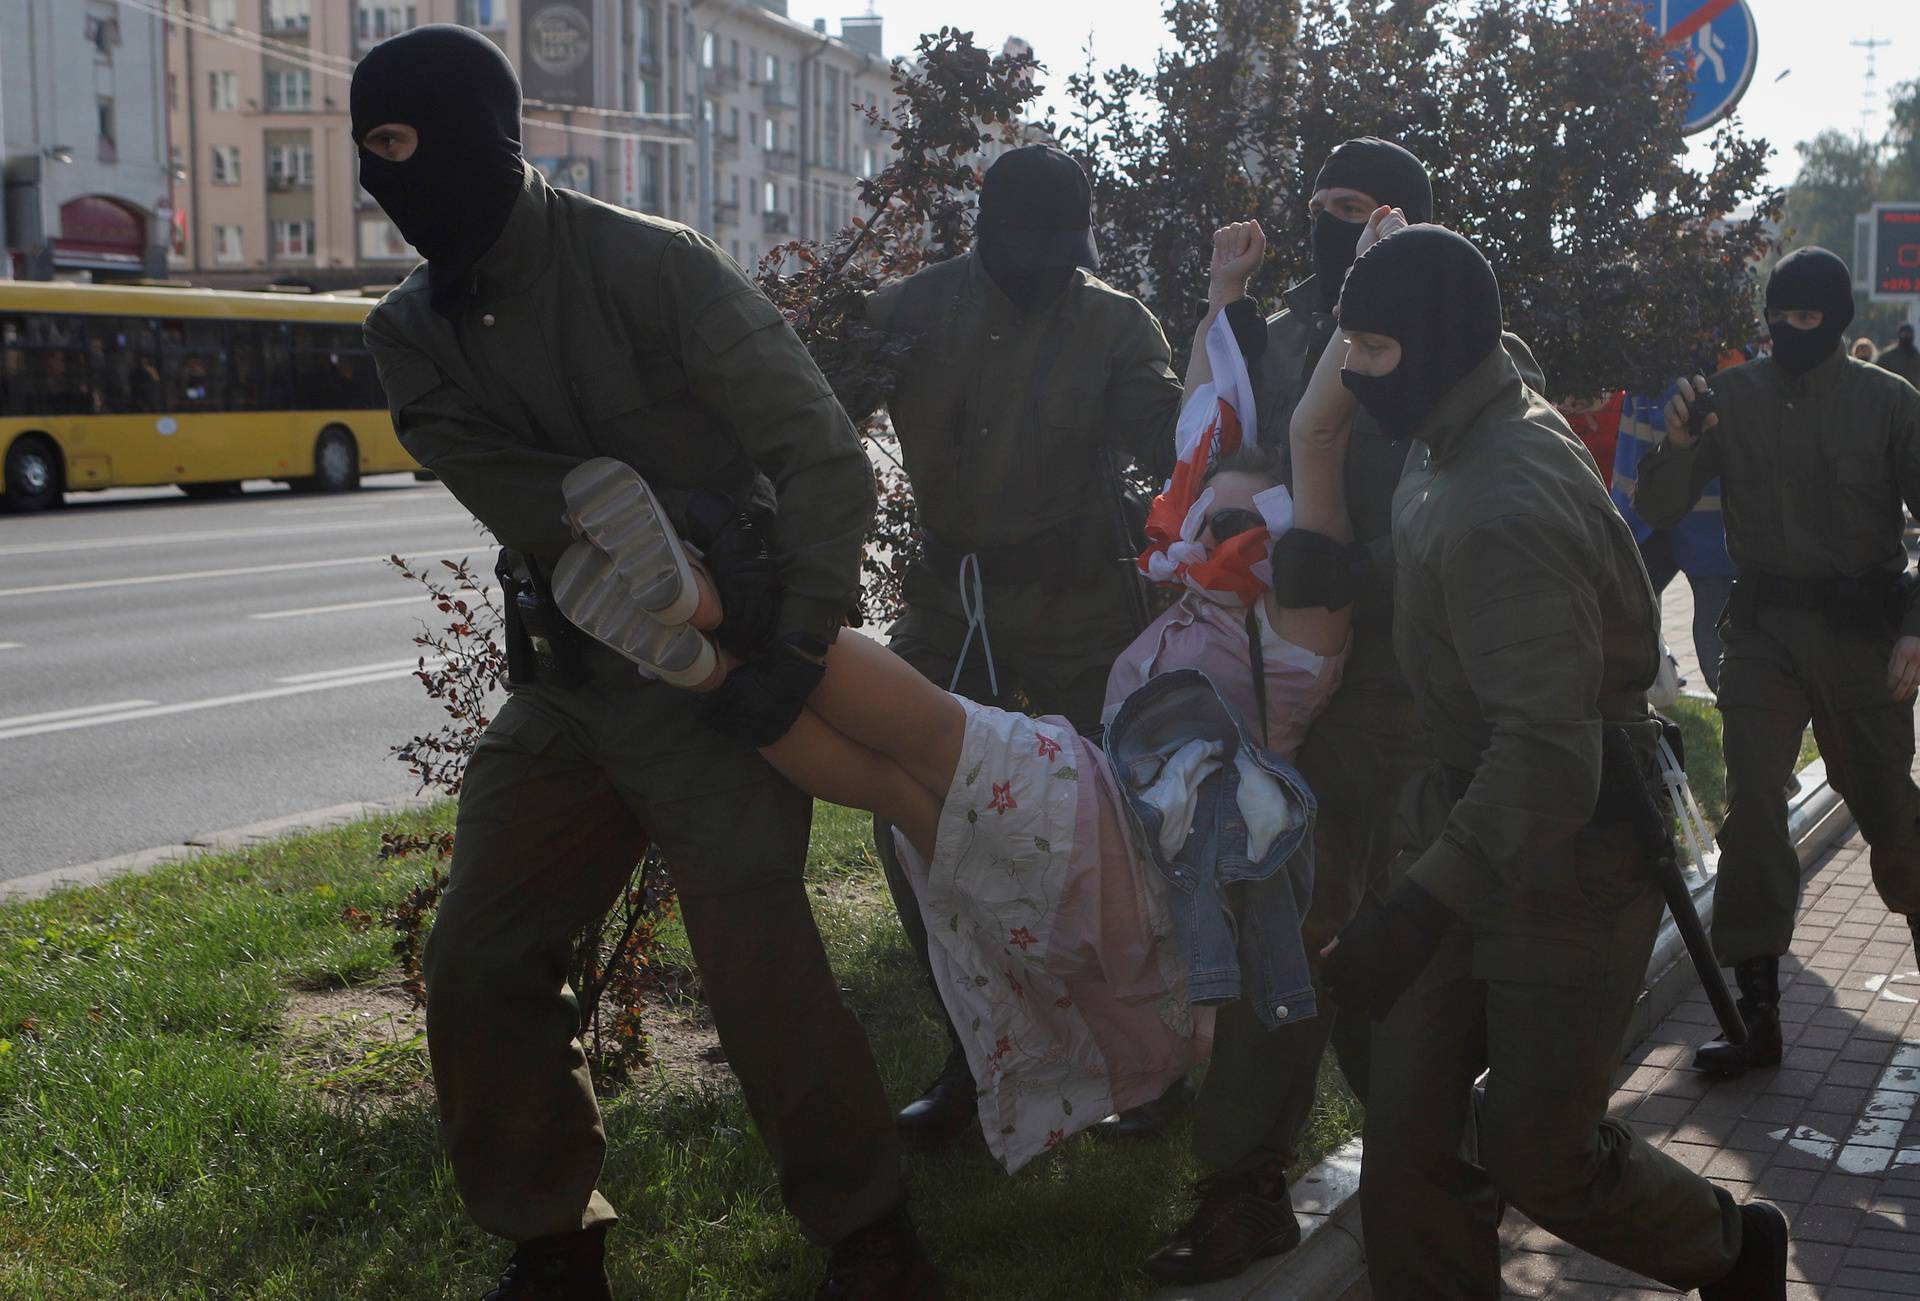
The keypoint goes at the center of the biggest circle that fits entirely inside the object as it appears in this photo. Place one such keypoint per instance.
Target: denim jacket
(1238, 919)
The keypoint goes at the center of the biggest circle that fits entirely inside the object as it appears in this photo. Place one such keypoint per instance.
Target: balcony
(648, 58)
(781, 160)
(720, 79)
(283, 183)
(726, 212)
(779, 224)
(781, 97)
(726, 148)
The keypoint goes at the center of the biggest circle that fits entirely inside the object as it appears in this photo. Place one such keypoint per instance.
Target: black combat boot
(1759, 980)
(882, 1262)
(943, 1112)
(1241, 1218)
(1913, 929)
(1760, 1274)
(1147, 1119)
(564, 1267)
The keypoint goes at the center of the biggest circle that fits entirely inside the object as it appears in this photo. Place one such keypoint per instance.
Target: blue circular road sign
(1716, 42)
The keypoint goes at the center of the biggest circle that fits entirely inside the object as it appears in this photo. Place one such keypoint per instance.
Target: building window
(103, 33)
(753, 66)
(221, 13)
(733, 56)
(226, 164)
(223, 91)
(649, 95)
(226, 244)
(709, 46)
(289, 15)
(733, 124)
(291, 239)
(289, 91)
(487, 15)
(290, 166)
(109, 139)
(771, 141)
(772, 197)
(379, 21)
(380, 241)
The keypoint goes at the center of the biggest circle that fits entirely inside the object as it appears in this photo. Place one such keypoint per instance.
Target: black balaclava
(1809, 280)
(451, 199)
(1035, 225)
(1384, 172)
(1905, 340)
(1431, 291)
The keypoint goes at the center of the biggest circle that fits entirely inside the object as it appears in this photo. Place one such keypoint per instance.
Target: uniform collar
(1304, 298)
(1001, 310)
(1450, 424)
(525, 246)
(1825, 373)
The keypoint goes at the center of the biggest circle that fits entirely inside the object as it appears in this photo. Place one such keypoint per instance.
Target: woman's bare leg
(831, 766)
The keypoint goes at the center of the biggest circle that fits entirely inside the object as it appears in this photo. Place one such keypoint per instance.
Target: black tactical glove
(735, 545)
(1383, 949)
(761, 698)
(1249, 326)
(1311, 569)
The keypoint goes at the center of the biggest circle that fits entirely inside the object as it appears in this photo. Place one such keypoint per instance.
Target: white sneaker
(589, 590)
(613, 506)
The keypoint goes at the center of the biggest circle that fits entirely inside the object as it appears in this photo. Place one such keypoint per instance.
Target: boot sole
(589, 591)
(618, 512)
(1279, 1245)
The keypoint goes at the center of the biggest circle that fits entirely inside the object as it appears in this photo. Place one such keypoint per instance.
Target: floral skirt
(1049, 939)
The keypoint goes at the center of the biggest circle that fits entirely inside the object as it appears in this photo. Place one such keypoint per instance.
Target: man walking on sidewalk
(1514, 941)
(1817, 453)
(1028, 379)
(544, 330)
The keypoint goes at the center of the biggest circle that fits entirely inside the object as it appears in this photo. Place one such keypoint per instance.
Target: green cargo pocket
(1512, 621)
(732, 319)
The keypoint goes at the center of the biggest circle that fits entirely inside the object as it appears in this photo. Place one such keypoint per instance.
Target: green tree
(1553, 133)
(1842, 176)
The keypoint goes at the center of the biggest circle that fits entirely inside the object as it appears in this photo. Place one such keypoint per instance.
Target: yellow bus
(108, 386)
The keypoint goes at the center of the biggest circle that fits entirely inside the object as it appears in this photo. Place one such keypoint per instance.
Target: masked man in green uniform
(1817, 453)
(1515, 936)
(1901, 356)
(1258, 1094)
(546, 329)
(1028, 379)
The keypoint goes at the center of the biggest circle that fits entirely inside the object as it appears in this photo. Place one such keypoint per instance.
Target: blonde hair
(1255, 460)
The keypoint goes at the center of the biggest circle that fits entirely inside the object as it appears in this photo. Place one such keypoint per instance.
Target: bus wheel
(336, 462)
(216, 488)
(33, 474)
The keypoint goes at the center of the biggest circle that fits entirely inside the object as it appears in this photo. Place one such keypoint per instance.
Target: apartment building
(82, 142)
(725, 114)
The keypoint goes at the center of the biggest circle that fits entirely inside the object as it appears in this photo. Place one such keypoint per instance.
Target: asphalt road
(170, 668)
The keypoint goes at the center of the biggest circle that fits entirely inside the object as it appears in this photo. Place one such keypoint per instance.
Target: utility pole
(6, 244)
(1868, 102)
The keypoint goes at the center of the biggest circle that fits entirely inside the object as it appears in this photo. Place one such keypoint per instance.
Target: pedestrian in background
(1816, 453)
(546, 329)
(1863, 349)
(1029, 379)
(1695, 546)
(1901, 357)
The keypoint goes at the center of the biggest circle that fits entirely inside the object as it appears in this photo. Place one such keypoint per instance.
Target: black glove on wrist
(1249, 326)
(734, 545)
(761, 698)
(1311, 569)
(1383, 949)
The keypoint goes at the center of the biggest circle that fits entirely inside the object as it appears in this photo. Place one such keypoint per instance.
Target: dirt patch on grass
(683, 1048)
(366, 1042)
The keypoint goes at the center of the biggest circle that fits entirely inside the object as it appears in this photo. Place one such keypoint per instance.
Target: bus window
(276, 346)
(125, 379)
(246, 375)
(193, 365)
(332, 371)
(43, 366)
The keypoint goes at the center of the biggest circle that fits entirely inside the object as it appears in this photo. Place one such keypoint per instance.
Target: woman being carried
(1054, 938)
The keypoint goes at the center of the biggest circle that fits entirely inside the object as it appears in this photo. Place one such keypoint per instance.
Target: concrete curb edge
(41, 884)
(1331, 1260)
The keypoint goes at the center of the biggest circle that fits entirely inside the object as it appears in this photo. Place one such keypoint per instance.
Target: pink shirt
(1196, 633)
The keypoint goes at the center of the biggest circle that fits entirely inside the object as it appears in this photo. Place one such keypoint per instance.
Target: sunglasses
(1232, 521)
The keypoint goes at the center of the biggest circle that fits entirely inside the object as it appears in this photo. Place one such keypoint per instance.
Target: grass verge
(1706, 763)
(163, 1135)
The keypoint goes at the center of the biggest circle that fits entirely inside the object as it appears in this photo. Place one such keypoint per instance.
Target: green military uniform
(1525, 625)
(1007, 421)
(1901, 362)
(1814, 469)
(591, 332)
(1359, 755)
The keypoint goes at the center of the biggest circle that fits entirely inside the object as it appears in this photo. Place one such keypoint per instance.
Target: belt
(1814, 593)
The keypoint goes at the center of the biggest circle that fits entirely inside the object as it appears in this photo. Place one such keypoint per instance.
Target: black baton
(1623, 773)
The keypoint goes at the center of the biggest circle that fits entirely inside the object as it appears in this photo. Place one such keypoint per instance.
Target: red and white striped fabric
(1217, 420)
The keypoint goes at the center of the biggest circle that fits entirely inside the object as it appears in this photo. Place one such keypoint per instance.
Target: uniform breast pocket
(623, 403)
(1861, 500)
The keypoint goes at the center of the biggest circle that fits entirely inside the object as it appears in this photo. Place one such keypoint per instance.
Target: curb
(41, 884)
(1330, 1264)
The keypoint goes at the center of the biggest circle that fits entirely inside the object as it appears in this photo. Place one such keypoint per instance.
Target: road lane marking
(355, 670)
(58, 714)
(91, 584)
(226, 535)
(328, 510)
(11, 645)
(419, 598)
(192, 706)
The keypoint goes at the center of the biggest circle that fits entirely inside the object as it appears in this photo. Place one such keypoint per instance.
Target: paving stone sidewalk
(1829, 1136)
